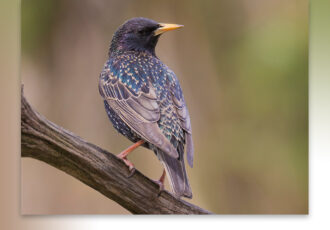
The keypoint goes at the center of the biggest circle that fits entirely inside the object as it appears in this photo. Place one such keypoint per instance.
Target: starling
(144, 101)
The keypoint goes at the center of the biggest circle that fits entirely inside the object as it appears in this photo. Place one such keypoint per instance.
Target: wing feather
(140, 111)
(184, 117)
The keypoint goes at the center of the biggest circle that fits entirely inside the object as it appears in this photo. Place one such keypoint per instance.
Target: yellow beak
(166, 27)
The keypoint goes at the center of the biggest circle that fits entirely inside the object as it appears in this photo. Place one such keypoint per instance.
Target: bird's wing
(135, 102)
(183, 115)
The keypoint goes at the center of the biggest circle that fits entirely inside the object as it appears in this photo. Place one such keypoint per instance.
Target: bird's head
(139, 34)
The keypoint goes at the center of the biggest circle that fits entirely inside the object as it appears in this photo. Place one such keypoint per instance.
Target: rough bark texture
(97, 168)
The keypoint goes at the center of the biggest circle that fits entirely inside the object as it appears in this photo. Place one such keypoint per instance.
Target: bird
(144, 101)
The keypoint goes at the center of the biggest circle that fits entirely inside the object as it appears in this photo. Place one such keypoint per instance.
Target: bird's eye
(143, 32)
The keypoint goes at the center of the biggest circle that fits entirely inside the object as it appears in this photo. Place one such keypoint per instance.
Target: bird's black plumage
(144, 100)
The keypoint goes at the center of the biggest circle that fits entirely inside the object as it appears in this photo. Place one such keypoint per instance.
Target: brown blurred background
(243, 67)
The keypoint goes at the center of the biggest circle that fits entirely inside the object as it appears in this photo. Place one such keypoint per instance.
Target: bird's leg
(160, 182)
(123, 155)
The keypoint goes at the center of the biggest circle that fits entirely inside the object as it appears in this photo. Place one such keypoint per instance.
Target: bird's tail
(176, 171)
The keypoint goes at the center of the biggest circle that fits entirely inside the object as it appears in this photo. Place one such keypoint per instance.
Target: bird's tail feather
(175, 169)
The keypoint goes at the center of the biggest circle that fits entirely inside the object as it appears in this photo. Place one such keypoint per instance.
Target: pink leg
(123, 155)
(160, 182)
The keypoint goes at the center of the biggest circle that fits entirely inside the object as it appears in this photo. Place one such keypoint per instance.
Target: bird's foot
(160, 182)
(129, 164)
(161, 187)
(123, 155)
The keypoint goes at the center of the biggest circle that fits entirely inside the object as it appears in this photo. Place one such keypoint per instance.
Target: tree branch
(97, 168)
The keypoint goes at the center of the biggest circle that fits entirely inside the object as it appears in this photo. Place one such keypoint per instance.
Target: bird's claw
(132, 172)
(161, 187)
(129, 164)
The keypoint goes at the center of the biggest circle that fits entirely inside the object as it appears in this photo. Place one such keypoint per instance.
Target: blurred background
(243, 67)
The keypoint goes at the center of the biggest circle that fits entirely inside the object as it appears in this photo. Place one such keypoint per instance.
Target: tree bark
(43, 140)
